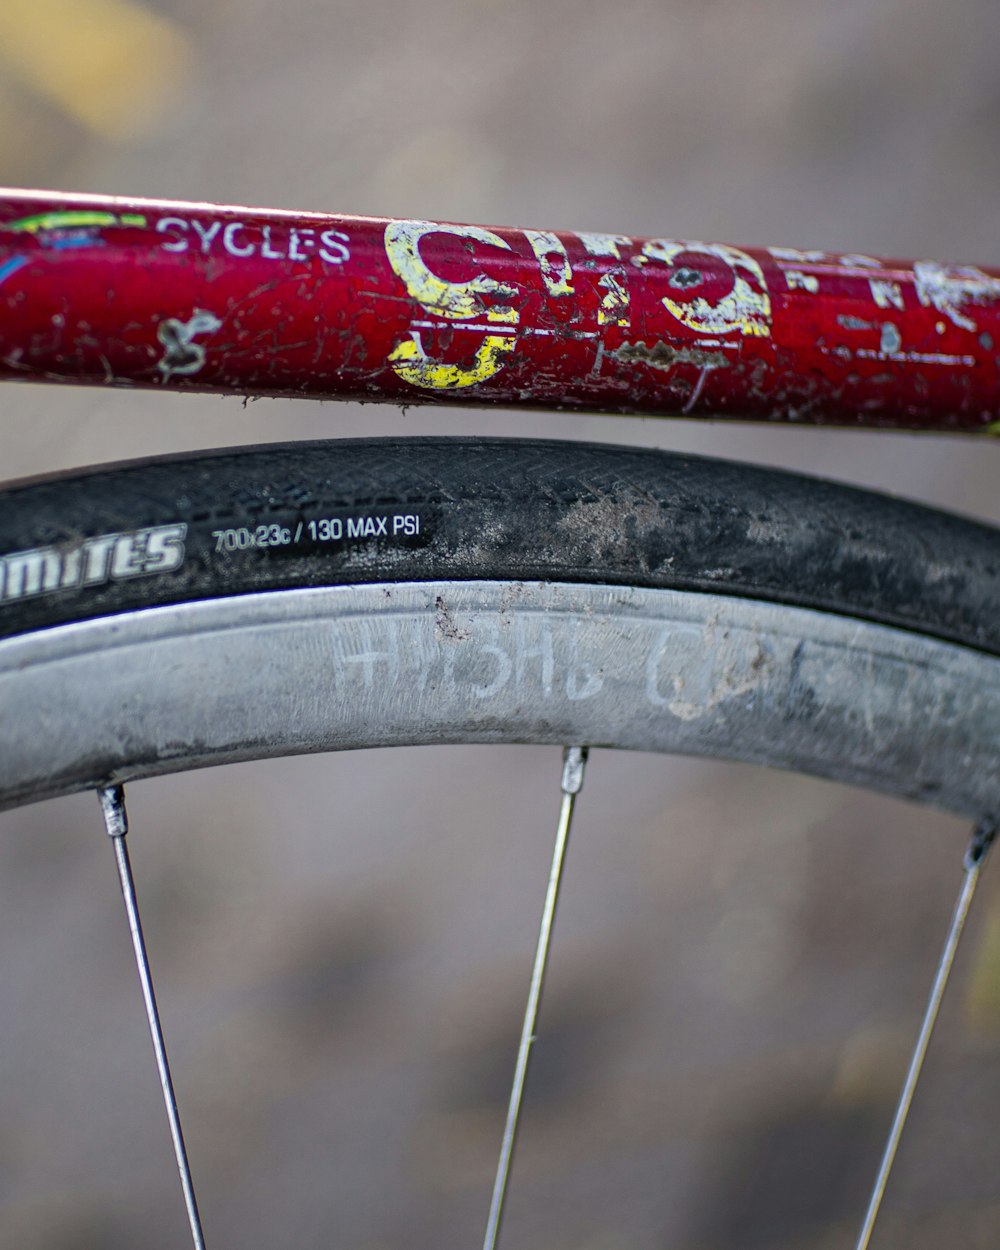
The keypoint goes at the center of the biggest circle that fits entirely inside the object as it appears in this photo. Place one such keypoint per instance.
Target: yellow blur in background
(110, 65)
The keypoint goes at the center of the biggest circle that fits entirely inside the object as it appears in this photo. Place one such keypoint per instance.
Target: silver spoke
(981, 841)
(116, 823)
(574, 760)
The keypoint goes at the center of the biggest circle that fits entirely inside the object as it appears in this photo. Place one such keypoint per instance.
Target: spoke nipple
(574, 759)
(982, 840)
(112, 800)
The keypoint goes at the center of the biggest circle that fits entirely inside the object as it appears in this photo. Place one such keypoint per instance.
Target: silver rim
(169, 689)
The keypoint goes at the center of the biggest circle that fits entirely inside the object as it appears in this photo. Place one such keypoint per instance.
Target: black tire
(508, 510)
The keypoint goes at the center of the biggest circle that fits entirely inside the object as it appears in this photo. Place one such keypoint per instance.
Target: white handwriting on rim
(480, 667)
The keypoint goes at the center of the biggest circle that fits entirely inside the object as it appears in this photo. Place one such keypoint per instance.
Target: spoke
(981, 841)
(116, 823)
(574, 760)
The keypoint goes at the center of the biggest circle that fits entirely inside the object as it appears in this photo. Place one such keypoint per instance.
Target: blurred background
(342, 945)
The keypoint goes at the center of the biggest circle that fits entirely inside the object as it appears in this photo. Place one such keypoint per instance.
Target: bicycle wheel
(183, 612)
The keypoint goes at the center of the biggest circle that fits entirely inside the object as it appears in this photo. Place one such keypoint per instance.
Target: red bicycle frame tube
(96, 289)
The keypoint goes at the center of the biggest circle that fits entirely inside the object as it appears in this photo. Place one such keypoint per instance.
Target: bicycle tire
(185, 611)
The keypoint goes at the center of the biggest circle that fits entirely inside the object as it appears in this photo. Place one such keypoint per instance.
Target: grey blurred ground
(342, 945)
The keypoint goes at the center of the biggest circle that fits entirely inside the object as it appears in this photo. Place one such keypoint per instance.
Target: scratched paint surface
(187, 296)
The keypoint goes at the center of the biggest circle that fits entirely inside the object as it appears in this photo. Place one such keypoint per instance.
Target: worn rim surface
(168, 689)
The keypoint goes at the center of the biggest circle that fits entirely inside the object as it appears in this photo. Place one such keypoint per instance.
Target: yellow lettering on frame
(746, 308)
(456, 301)
(614, 307)
(413, 365)
(553, 261)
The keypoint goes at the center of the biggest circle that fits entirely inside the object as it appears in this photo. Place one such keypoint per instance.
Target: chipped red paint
(196, 297)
